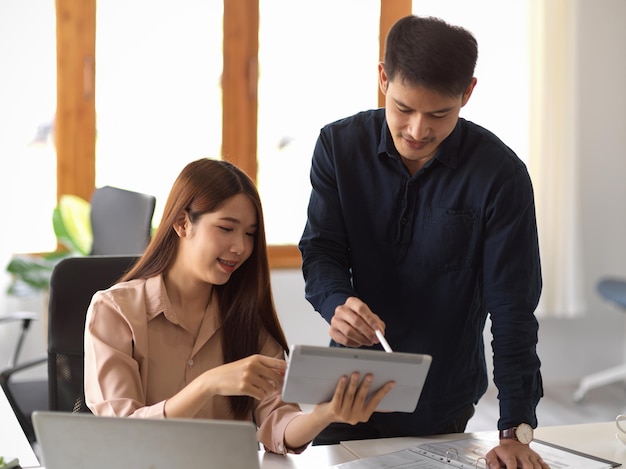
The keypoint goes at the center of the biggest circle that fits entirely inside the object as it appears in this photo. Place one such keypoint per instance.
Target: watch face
(524, 433)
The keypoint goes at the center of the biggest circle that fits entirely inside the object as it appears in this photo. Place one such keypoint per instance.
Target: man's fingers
(365, 314)
(350, 329)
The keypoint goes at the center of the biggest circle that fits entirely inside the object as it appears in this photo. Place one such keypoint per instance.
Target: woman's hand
(350, 403)
(256, 376)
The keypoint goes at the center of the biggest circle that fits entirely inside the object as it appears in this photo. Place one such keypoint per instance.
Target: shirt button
(190, 363)
(279, 447)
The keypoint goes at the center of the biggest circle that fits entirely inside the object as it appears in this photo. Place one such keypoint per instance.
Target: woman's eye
(251, 235)
(225, 228)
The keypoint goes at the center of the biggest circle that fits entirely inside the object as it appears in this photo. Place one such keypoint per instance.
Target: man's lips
(418, 144)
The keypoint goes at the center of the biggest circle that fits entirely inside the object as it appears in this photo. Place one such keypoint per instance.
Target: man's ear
(382, 78)
(468, 92)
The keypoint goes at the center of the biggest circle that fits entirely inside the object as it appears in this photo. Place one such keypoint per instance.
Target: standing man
(421, 223)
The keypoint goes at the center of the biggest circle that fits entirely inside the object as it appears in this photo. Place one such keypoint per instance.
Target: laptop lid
(90, 442)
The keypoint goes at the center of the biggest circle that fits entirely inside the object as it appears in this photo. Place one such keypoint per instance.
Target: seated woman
(191, 330)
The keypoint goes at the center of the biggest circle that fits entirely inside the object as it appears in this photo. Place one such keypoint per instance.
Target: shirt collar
(157, 301)
(448, 151)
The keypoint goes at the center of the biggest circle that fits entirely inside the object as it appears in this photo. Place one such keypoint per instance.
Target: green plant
(72, 228)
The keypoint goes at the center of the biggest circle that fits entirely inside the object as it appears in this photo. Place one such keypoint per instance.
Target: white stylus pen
(383, 341)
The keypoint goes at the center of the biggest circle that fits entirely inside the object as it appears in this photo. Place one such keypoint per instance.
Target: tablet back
(313, 372)
(86, 441)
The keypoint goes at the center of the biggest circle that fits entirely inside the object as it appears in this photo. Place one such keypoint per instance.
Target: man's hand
(353, 324)
(513, 455)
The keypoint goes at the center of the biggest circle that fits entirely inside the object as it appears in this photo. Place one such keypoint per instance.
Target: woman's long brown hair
(245, 302)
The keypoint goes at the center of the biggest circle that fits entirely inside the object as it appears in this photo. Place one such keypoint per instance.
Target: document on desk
(468, 453)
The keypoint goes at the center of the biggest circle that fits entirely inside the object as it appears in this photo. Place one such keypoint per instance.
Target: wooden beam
(390, 12)
(75, 120)
(240, 84)
(284, 257)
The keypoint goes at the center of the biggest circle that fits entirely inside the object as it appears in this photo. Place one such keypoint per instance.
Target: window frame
(75, 121)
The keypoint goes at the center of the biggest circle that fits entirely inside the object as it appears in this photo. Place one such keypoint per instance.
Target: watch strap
(522, 433)
(508, 434)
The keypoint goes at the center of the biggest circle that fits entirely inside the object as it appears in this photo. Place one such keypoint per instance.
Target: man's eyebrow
(437, 111)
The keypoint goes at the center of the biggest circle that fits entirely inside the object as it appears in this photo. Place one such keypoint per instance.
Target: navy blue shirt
(432, 254)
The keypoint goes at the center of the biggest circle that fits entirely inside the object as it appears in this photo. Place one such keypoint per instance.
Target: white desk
(596, 439)
(13, 441)
(314, 457)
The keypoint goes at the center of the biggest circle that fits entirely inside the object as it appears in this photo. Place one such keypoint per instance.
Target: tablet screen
(313, 372)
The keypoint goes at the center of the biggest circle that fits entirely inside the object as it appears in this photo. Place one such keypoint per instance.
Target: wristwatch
(522, 433)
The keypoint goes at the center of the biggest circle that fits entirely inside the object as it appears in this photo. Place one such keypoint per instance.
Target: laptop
(87, 441)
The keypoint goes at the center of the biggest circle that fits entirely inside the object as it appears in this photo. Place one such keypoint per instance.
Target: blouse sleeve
(113, 383)
(272, 414)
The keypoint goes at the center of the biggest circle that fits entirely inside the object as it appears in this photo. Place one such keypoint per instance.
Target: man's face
(419, 119)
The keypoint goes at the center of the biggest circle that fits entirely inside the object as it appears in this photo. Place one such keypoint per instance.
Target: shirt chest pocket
(447, 240)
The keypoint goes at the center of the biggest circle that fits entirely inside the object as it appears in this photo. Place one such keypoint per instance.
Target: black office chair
(612, 290)
(121, 222)
(72, 285)
(73, 282)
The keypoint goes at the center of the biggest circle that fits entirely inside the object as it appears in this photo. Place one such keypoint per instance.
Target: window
(310, 73)
(133, 91)
(27, 107)
(158, 99)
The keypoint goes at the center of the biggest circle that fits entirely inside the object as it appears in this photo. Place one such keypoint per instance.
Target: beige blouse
(138, 354)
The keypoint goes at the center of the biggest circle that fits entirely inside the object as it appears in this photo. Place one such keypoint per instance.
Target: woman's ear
(181, 224)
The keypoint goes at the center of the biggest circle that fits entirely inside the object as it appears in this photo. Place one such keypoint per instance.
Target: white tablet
(313, 372)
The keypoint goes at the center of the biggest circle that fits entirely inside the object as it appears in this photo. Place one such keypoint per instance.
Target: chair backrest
(121, 221)
(73, 282)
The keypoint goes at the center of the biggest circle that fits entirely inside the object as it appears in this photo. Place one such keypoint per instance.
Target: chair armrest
(6, 374)
(19, 316)
(26, 317)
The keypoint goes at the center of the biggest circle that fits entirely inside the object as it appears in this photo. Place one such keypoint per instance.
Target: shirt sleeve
(111, 370)
(324, 243)
(513, 283)
(273, 415)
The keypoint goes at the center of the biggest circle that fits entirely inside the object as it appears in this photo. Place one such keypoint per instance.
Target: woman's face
(219, 242)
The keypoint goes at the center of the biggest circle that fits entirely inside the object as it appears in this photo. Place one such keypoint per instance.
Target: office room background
(550, 84)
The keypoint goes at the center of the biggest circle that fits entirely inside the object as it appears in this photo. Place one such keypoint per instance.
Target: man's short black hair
(428, 52)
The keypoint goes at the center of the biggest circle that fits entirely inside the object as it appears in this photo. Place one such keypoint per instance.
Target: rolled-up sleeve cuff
(278, 444)
(154, 411)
